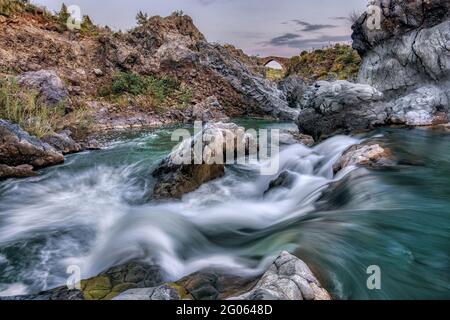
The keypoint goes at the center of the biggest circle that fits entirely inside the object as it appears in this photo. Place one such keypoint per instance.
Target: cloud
(307, 27)
(284, 40)
(339, 18)
(295, 41)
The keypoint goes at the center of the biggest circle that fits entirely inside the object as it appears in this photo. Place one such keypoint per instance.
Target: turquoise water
(93, 212)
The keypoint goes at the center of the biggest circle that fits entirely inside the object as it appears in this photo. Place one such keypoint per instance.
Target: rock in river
(17, 148)
(184, 171)
(288, 278)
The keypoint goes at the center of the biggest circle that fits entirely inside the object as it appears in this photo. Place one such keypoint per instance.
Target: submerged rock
(285, 180)
(179, 174)
(17, 148)
(368, 155)
(288, 278)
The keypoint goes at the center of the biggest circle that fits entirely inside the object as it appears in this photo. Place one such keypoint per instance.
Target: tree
(178, 13)
(141, 18)
(64, 14)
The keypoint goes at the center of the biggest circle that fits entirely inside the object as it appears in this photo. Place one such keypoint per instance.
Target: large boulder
(428, 105)
(288, 278)
(340, 106)
(17, 148)
(51, 88)
(184, 170)
(408, 61)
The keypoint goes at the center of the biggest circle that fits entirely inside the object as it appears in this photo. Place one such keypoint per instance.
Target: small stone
(98, 72)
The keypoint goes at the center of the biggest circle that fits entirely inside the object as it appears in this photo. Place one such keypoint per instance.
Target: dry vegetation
(339, 62)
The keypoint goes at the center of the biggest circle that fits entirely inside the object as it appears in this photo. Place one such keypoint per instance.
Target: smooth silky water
(93, 211)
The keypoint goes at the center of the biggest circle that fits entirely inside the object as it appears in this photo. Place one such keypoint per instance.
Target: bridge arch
(284, 62)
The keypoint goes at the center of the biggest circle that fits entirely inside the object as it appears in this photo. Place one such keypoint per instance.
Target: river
(93, 212)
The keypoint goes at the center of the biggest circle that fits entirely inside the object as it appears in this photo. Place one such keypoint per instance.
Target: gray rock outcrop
(49, 85)
(63, 142)
(288, 278)
(340, 106)
(17, 148)
(406, 63)
(257, 92)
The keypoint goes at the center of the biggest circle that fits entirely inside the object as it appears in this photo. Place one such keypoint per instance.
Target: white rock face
(416, 58)
(288, 278)
(425, 106)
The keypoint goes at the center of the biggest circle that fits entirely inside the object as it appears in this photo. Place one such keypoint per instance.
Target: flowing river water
(93, 212)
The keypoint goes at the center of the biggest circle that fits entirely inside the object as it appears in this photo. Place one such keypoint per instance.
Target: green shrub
(23, 108)
(338, 62)
(148, 90)
(131, 83)
(10, 7)
(88, 27)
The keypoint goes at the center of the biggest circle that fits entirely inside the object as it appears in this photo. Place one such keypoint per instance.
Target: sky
(259, 27)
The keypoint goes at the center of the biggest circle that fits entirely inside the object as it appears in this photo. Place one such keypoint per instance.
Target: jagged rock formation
(407, 61)
(18, 148)
(330, 107)
(63, 142)
(288, 278)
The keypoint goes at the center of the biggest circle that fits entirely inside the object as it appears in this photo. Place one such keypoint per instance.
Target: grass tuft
(23, 107)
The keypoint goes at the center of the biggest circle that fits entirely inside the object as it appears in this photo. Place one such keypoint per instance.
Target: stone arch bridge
(284, 62)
